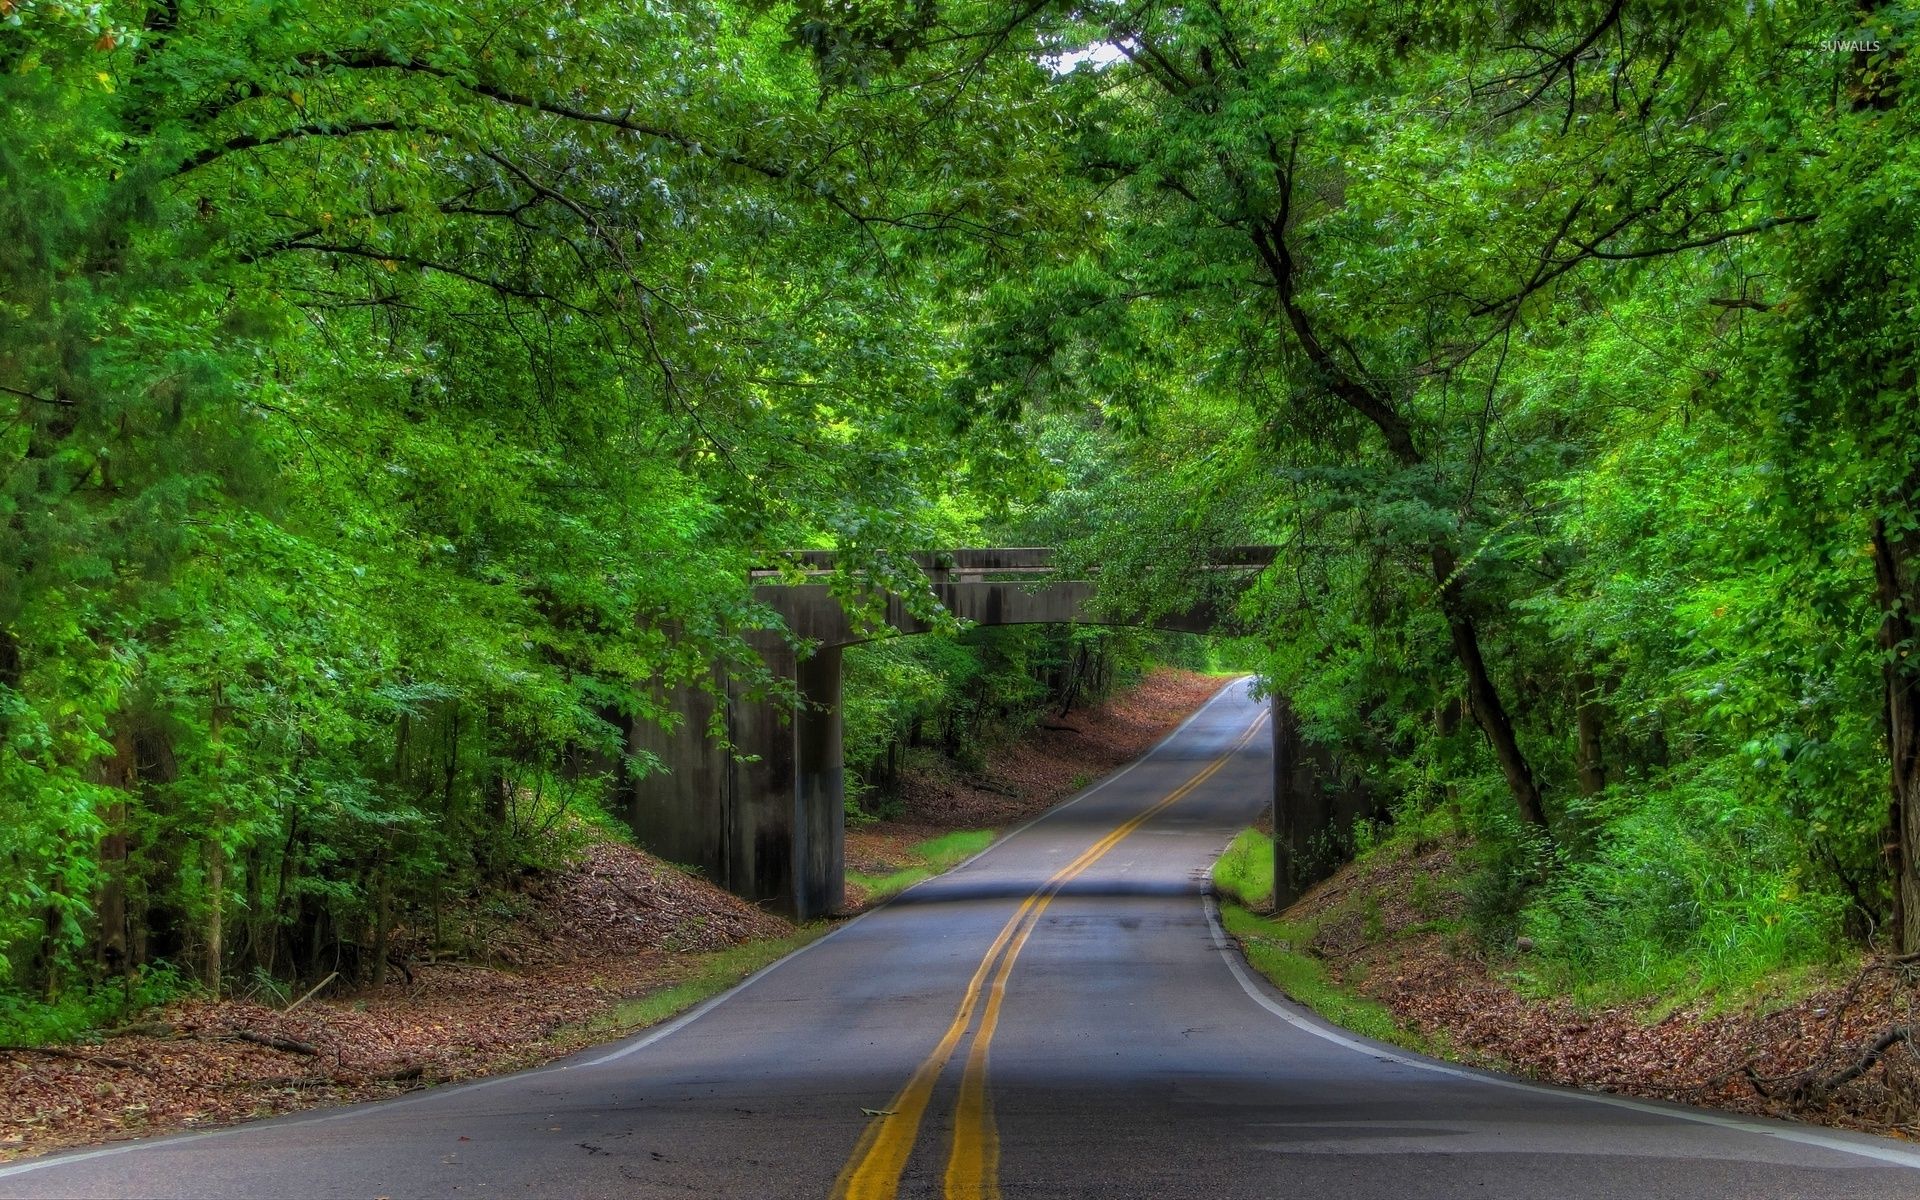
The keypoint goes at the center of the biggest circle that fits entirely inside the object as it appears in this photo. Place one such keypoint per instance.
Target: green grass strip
(934, 856)
(1276, 949)
(713, 974)
(1245, 871)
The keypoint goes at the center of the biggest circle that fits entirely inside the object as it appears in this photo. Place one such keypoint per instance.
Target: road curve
(1059, 1017)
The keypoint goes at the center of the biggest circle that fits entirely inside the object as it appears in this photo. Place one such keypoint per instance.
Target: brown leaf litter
(616, 925)
(1777, 1056)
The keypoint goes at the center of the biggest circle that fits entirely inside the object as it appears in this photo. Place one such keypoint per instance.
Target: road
(1059, 1017)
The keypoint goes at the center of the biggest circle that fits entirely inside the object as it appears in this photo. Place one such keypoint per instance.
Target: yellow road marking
(973, 1164)
(873, 1171)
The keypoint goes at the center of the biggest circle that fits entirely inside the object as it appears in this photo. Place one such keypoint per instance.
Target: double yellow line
(880, 1157)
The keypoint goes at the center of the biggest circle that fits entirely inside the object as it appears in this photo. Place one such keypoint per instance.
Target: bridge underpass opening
(766, 819)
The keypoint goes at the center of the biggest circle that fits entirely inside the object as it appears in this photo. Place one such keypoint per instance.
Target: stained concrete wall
(1315, 802)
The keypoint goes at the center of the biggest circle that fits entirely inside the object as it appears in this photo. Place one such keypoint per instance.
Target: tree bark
(216, 856)
(1589, 754)
(1489, 712)
(1895, 580)
(216, 915)
(120, 773)
(10, 668)
(382, 919)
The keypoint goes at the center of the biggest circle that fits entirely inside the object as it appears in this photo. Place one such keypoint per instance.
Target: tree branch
(372, 60)
(249, 141)
(62, 401)
(1594, 251)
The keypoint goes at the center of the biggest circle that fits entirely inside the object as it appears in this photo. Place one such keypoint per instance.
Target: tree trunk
(280, 921)
(216, 915)
(216, 855)
(1076, 671)
(382, 918)
(1488, 710)
(1897, 588)
(1589, 757)
(499, 788)
(10, 668)
(120, 773)
(254, 904)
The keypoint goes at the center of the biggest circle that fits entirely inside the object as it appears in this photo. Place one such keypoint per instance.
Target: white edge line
(641, 1043)
(1229, 951)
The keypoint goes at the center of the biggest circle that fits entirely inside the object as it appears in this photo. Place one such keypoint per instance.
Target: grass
(713, 974)
(925, 860)
(1245, 871)
(1277, 947)
(1274, 947)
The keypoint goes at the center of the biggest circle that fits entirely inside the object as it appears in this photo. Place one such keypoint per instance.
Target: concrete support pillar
(1300, 809)
(820, 789)
(1316, 801)
(682, 814)
(762, 800)
(764, 821)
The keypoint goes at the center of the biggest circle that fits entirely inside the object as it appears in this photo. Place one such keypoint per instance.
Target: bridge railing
(1010, 561)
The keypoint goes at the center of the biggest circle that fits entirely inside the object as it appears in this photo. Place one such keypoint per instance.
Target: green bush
(74, 1014)
(1692, 888)
(1245, 870)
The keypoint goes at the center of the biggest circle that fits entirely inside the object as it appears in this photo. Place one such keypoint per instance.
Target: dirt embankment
(1390, 928)
(1030, 776)
(571, 944)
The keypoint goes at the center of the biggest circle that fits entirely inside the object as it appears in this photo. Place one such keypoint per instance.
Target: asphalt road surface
(1059, 1017)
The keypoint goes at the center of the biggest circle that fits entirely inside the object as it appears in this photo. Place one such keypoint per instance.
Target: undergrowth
(82, 1012)
(1674, 905)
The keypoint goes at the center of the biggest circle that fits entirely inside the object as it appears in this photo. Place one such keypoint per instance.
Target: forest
(395, 397)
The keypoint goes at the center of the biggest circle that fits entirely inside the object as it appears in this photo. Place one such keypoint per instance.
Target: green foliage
(1510, 861)
(1693, 889)
(79, 1013)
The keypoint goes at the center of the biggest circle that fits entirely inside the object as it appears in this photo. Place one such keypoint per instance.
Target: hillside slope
(1384, 945)
(554, 962)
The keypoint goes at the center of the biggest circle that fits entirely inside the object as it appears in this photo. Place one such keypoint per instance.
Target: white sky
(1099, 55)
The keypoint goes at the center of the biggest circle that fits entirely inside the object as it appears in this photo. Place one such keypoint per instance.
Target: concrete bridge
(766, 819)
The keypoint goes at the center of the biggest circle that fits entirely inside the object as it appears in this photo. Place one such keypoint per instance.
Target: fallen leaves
(1768, 1058)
